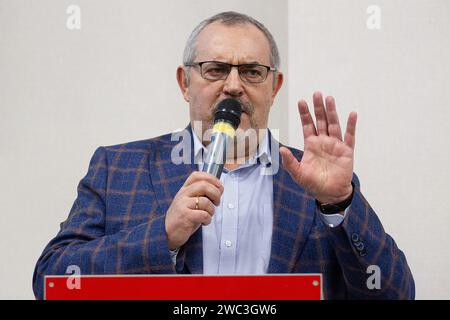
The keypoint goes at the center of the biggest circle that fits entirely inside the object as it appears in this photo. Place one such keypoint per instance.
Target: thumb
(290, 163)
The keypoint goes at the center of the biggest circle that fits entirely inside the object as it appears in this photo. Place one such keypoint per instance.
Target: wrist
(345, 194)
(338, 205)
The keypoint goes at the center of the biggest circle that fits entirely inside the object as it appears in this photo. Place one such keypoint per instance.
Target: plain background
(65, 92)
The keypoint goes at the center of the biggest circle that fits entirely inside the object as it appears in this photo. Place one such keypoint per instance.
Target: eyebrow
(253, 62)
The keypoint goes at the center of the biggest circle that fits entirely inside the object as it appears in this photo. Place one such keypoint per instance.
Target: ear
(181, 79)
(277, 84)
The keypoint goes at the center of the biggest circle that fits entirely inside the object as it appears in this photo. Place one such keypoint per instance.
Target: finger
(351, 130)
(203, 176)
(320, 113)
(203, 204)
(206, 189)
(334, 127)
(290, 163)
(200, 217)
(307, 121)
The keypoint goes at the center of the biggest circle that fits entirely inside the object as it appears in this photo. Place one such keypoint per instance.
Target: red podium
(184, 287)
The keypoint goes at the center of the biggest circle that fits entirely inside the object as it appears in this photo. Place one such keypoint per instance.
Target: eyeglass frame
(231, 66)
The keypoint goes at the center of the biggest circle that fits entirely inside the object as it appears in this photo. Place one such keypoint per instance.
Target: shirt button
(230, 206)
(228, 243)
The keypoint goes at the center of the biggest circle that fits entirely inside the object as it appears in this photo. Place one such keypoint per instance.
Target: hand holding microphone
(193, 205)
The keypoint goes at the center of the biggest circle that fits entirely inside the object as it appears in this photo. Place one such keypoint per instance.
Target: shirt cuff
(334, 220)
(173, 255)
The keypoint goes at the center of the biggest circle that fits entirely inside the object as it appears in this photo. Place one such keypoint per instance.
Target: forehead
(238, 43)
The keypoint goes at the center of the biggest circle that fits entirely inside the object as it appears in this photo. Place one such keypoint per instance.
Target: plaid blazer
(117, 226)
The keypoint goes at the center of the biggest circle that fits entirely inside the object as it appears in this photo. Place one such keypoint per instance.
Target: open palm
(326, 167)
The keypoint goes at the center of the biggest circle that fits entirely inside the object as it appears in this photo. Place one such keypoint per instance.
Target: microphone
(226, 120)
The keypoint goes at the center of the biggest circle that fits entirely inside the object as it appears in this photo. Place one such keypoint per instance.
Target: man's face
(237, 44)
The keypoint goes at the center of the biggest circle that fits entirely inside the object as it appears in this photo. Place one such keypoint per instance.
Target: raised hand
(326, 167)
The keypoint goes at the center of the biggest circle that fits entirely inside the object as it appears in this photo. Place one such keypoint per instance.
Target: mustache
(247, 107)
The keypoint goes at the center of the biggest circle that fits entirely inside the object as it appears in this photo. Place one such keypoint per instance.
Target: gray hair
(230, 18)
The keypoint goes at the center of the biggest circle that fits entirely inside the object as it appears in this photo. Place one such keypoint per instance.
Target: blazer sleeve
(82, 241)
(363, 248)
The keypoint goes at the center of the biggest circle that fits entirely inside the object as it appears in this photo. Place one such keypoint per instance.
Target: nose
(233, 84)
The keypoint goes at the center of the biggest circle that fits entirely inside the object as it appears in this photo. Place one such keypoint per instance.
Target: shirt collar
(262, 155)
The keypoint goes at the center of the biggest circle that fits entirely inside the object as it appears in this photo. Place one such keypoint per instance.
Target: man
(138, 211)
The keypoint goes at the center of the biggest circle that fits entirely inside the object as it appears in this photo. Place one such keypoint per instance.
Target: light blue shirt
(238, 239)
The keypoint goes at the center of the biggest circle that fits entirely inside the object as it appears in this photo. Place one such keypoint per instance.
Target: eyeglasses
(216, 70)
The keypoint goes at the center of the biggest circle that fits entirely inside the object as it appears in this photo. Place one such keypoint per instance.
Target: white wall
(397, 79)
(63, 93)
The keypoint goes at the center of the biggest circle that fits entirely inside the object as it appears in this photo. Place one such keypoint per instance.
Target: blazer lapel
(293, 216)
(167, 178)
